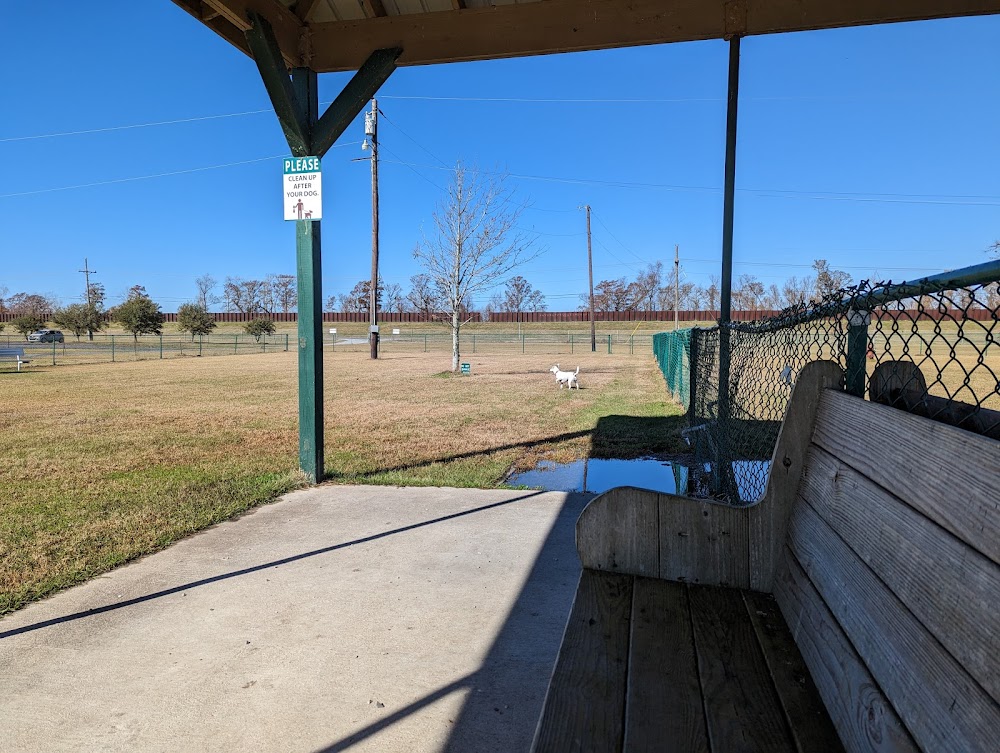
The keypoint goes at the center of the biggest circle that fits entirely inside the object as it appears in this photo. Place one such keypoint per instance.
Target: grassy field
(105, 463)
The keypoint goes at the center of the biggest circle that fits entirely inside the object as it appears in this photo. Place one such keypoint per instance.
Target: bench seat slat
(949, 586)
(664, 708)
(865, 721)
(942, 706)
(808, 719)
(585, 705)
(901, 453)
(742, 707)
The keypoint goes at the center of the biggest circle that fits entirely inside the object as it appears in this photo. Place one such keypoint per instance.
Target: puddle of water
(667, 476)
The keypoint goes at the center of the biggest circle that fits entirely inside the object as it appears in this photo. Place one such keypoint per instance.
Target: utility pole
(87, 272)
(677, 282)
(590, 272)
(371, 131)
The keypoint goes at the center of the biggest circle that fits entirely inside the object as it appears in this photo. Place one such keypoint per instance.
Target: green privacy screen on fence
(672, 352)
(931, 347)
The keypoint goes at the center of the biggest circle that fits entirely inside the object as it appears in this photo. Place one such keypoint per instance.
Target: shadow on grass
(622, 437)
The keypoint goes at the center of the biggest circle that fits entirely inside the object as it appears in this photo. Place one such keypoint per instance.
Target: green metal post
(53, 352)
(473, 343)
(522, 342)
(286, 342)
(631, 345)
(161, 347)
(264, 346)
(571, 343)
(236, 344)
(425, 342)
(857, 351)
(609, 344)
(112, 348)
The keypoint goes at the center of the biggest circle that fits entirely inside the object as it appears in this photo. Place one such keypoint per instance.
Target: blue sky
(876, 148)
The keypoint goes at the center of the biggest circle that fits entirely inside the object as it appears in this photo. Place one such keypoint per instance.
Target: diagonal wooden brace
(303, 137)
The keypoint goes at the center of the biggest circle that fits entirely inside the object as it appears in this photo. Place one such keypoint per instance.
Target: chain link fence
(124, 348)
(929, 347)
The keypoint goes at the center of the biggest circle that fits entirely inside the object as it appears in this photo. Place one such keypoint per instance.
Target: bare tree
(206, 296)
(797, 290)
(476, 244)
(712, 292)
(423, 297)
(829, 280)
(285, 292)
(393, 298)
(3, 295)
(519, 296)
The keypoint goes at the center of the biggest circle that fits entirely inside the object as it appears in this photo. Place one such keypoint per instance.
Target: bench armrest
(641, 532)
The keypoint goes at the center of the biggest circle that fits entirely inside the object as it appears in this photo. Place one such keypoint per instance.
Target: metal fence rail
(929, 347)
(123, 348)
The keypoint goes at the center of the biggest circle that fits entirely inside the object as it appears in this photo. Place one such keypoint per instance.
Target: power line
(154, 175)
(932, 199)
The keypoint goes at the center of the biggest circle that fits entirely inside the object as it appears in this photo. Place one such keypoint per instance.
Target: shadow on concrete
(254, 569)
(505, 694)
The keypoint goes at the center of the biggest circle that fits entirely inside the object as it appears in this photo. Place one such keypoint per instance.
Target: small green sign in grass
(466, 368)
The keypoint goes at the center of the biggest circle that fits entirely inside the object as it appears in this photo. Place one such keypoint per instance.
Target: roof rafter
(534, 28)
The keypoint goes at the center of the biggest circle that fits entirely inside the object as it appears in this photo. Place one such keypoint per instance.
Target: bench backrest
(11, 352)
(890, 579)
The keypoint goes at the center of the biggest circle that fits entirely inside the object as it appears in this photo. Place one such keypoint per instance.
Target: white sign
(302, 188)
(333, 331)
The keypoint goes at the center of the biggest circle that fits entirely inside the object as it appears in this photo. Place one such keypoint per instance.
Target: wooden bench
(857, 606)
(14, 354)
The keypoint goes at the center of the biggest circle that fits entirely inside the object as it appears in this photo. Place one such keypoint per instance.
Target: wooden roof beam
(373, 8)
(570, 25)
(288, 29)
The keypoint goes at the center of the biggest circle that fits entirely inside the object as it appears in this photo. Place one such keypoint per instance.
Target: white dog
(568, 378)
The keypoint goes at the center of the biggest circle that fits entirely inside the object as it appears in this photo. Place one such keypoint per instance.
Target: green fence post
(265, 344)
(473, 343)
(53, 352)
(112, 348)
(571, 343)
(692, 377)
(857, 351)
(236, 344)
(161, 347)
(522, 342)
(609, 344)
(631, 345)
(201, 339)
(425, 343)
(286, 342)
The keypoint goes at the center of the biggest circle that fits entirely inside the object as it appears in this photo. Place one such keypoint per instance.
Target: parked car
(46, 336)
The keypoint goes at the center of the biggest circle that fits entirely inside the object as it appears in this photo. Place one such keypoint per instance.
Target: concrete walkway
(340, 618)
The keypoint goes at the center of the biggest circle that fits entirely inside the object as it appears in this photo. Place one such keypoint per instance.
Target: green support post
(286, 342)
(201, 339)
(473, 343)
(857, 351)
(609, 345)
(296, 103)
(425, 342)
(631, 345)
(161, 347)
(571, 343)
(53, 352)
(236, 344)
(308, 252)
(112, 348)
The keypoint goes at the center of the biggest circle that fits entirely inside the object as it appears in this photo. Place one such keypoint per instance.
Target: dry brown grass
(108, 462)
